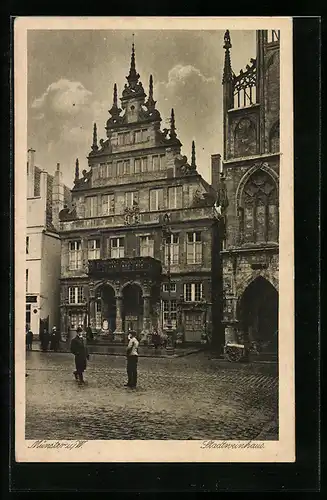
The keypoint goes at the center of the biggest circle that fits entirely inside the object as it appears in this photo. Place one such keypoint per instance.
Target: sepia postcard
(154, 259)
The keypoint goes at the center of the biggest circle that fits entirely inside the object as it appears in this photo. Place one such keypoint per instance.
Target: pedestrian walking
(29, 339)
(54, 339)
(78, 348)
(132, 360)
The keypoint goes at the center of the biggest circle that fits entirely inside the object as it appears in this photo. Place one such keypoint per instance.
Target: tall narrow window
(138, 136)
(117, 248)
(131, 198)
(75, 295)
(120, 168)
(173, 313)
(155, 162)
(193, 292)
(175, 197)
(103, 171)
(26, 281)
(120, 139)
(137, 165)
(146, 246)
(75, 255)
(93, 249)
(144, 164)
(27, 244)
(144, 135)
(156, 199)
(194, 248)
(127, 167)
(173, 239)
(108, 204)
(260, 206)
(162, 162)
(91, 206)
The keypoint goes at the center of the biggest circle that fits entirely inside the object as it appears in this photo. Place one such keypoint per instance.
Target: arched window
(274, 138)
(245, 141)
(259, 209)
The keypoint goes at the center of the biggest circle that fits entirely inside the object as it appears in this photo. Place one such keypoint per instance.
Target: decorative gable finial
(95, 138)
(228, 74)
(115, 110)
(172, 132)
(151, 103)
(193, 160)
(133, 76)
(76, 169)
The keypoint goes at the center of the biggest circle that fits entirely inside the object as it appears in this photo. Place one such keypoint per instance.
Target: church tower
(250, 181)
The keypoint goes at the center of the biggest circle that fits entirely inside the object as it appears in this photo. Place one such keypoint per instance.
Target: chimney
(30, 172)
(57, 195)
(215, 170)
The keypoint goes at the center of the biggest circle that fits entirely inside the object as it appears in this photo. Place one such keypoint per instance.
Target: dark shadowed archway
(132, 308)
(258, 314)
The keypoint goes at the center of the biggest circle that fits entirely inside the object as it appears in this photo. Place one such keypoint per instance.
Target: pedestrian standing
(44, 339)
(132, 360)
(89, 334)
(54, 339)
(29, 340)
(78, 348)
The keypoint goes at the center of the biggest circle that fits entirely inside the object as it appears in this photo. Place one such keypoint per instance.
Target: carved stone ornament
(132, 215)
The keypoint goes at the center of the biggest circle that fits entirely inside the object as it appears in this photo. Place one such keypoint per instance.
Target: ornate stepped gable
(133, 101)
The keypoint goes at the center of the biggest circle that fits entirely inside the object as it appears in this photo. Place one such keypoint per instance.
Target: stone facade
(250, 200)
(46, 195)
(141, 237)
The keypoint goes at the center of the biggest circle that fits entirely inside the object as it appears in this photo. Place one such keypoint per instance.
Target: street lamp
(166, 230)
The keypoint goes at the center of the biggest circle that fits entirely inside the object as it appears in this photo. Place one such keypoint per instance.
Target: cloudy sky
(71, 76)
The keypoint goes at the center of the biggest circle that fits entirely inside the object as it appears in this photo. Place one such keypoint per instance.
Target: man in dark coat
(80, 352)
(29, 340)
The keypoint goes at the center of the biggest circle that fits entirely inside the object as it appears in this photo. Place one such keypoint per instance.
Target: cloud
(64, 97)
(180, 74)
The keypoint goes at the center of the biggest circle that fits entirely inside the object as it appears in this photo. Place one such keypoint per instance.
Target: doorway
(132, 308)
(258, 315)
(108, 305)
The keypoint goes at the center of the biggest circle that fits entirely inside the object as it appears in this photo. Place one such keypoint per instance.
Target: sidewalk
(120, 350)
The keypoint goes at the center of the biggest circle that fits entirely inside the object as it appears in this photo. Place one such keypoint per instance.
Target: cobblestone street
(191, 397)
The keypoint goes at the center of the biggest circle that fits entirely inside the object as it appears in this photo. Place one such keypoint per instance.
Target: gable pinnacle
(115, 111)
(77, 169)
(133, 76)
(193, 160)
(151, 102)
(227, 74)
(172, 133)
(95, 138)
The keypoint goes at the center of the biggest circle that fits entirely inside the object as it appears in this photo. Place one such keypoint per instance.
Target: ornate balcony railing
(137, 265)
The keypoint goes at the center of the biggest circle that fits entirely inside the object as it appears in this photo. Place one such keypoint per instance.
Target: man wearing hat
(78, 348)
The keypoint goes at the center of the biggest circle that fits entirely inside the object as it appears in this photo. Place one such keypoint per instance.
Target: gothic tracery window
(259, 209)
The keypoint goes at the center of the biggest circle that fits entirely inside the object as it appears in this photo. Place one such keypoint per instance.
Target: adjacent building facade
(141, 238)
(249, 195)
(46, 195)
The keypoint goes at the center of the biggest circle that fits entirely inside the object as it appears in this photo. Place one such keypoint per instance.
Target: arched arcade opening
(258, 314)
